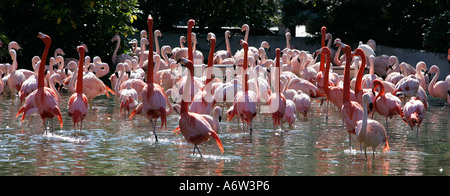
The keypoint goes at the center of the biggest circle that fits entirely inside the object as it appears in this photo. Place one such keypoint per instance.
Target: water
(109, 144)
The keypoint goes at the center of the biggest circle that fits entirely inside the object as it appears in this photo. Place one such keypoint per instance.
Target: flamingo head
(191, 23)
(45, 38)
(245, 27)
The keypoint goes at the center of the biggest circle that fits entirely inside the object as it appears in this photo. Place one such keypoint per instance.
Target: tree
(68, 23)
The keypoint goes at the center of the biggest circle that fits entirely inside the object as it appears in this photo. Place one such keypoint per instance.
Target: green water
(109, 144)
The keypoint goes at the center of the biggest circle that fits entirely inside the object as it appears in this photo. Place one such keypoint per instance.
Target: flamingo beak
(220, 118)
(370, 106)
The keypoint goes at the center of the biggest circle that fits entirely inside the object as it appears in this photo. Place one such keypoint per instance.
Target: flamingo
(438, 89)
(121, 58)
(302, 103)
(194, 127)
(370, 133)
(127, 96)
(226, 56)
(352, 111)
(359, 91)
(245, 101)
(2, 71)
(203, 101)
(290, 113)
(154, 98)
(413, 113)
(386, 104)
(277, 101)
(212, 120)
(46, 97)
(334, 93)
(78, 102)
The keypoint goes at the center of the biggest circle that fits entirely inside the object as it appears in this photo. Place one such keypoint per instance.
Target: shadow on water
(110, 144)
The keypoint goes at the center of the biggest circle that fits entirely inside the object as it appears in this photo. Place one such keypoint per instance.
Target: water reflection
(110, 144)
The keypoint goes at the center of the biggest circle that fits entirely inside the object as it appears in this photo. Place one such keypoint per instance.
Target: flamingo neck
(189, 40)
(245, 66)
(158, 51)
(336, 57)
(114, 56)
(371, 66)
(186, 99)
(79, 88)
(322, 58)
(227, 43)
(347, 51)
(326, 78)
(433, 81)
(42, 65)
(362, 132)
(277, 71)
(209, 74)
(376, 84)
(358, 85)
(150, 51)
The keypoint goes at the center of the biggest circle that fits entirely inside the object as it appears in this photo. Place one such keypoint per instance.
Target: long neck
(186, 99)
(227, 43)
(210, 64)
(114, 56)
(245, 66)
(42, 66)
(119, 82)
(346, 97)
(358, 85)
(189, 40)
(433, 81)
(336, 57)
(363, 130)
(326, 78)
(246, 35)
(150, 54)
(372, 66)
(377, 84)
(52, 86)
(157, 45)
(79, 88)
(277, 72)
(322, 57)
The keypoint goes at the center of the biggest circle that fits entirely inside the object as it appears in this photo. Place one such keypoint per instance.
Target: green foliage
(212, 14)
(418, 24)
(69, 23)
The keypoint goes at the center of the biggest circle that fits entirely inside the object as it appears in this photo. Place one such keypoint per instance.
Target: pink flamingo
(302, 103)
(370, 133)
(78, 102)
(194, 127)
(289, 114)
(438, 89)
(245, 101)
(413, 113)
(386, 104)
(46, 97)
(203, 102)
(334, 93)
(359, 91)
(154, 98)
(128, 96)
(277, 101)
(352, 111)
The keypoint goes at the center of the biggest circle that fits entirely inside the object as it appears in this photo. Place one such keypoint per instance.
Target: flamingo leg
(154, 129)
(251, 127)
(365, 153)
(387, 129)
(198, 151)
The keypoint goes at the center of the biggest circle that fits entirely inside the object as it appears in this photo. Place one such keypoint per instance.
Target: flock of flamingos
(283, 87)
